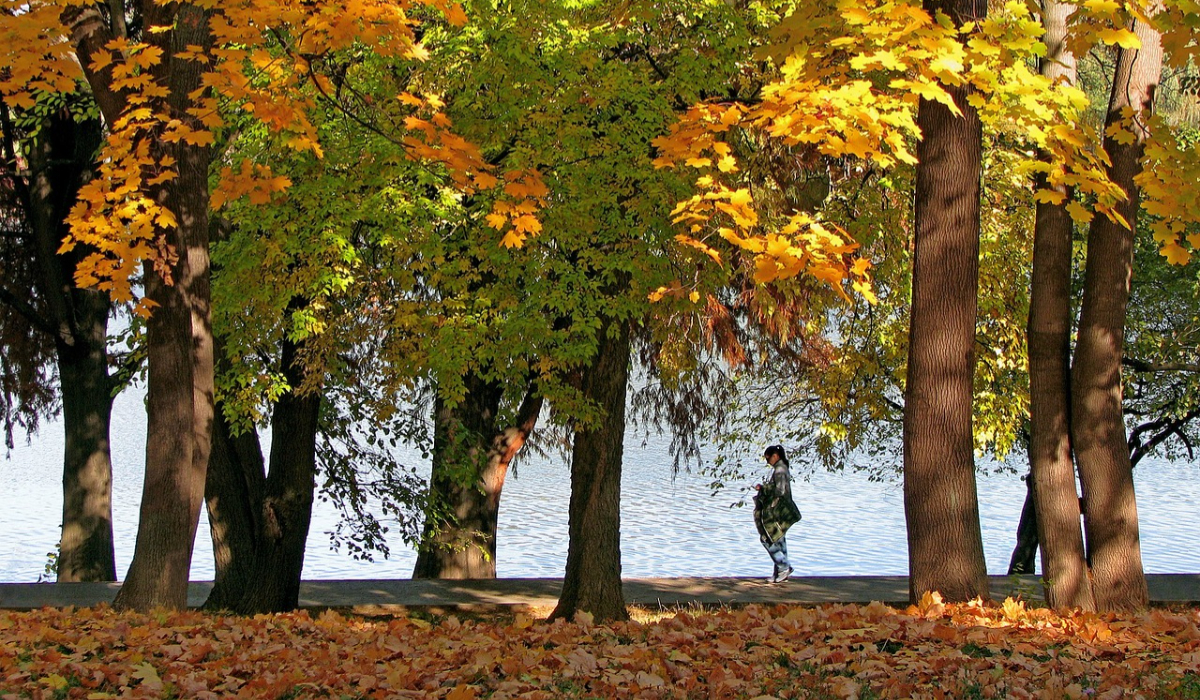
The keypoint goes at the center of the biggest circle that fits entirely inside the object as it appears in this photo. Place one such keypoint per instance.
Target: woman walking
(775, 511)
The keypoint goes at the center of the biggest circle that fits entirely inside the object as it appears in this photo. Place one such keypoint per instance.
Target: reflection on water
(669, 526)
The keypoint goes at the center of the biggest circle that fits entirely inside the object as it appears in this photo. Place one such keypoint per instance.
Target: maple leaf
(1045, 196)
(1175, 254)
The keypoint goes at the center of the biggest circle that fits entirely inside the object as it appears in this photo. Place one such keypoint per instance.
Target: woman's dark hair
(775, 450)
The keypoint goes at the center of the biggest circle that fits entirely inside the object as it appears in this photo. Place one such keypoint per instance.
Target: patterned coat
(774, 509)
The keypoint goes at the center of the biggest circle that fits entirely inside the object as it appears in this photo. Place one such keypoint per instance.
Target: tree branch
(1138, 449)
(1143, 366)
(89, 33)
(26, 310)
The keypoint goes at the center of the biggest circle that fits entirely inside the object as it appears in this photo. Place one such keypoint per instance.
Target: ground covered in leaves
(836, 651)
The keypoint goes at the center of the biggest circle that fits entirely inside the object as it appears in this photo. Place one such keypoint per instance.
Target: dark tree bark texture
(471, 456)
(260, 522)
(179, 400)
(1097, 423)
(945, 546)
(60, 162)
(592, 583)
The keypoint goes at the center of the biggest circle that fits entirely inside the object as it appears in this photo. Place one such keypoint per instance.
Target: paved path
(397, 595)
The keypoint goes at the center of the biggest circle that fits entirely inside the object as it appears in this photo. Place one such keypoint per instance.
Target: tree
(160, 81)
(260, 543)
(1052, 467)
(592, 582)
(179, 333)
(603, 91)
(460, 525)
(945, 545)
(1097, 423)
(57, 140)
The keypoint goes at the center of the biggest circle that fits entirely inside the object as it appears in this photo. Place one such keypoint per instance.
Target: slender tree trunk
(234, 489)
(261, 529)
(60, 161)
(593, 576)
(1052, 471)
(1097, 423)
(179, 399)
(471, 456)
(1025, 552)
(945, 546)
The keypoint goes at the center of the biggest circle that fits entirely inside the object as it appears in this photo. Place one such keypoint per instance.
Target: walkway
(398, 595)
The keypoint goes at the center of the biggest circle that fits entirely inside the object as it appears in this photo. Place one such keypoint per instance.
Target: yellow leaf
(1175, 254)
(1121, 37)
(527, 224)
(101, 60)
(485, 181)
(497, 221)
(1102, 6)
(1049, 197)
(1013, 609)
(1121, 134)
(1079, 213)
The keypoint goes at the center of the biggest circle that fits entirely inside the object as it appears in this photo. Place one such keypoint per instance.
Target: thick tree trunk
(945, 546)
(1097, 423)
(179, 401)
(260, 531)
(471, 456)
(1052, 471)
(593, 574)
(60, 162)
(86, 547)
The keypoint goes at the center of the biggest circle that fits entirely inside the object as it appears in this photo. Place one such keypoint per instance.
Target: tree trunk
(86, 547)
(233, 491)
(593, 575)
(945, 546)
(471, 456)
(263, 564)
(1052, 471)
(60, 163)
(1025, 552)
(1097, 424)
(179, 400)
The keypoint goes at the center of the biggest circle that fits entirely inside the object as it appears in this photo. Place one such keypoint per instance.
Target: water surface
(670, 524)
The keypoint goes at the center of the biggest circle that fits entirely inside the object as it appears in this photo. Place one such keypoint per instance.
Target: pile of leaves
(837, 651)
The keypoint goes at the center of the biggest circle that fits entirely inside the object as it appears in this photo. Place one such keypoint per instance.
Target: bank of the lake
(671, 525)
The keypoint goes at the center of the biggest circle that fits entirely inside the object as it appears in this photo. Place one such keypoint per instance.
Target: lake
(670, 524)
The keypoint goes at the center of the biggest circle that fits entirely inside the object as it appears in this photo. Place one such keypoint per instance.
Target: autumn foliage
(834, 651)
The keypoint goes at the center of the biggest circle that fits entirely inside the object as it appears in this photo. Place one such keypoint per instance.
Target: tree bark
(60, 162)
(592, 582)
(86, 547)
(179, 401)
(261, 529)
(234, 489)
(945, 545)
(1052, 471)
(1097, 423)
(471, 456)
